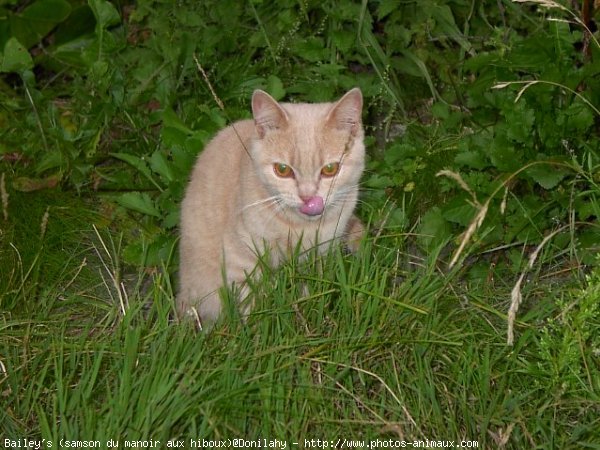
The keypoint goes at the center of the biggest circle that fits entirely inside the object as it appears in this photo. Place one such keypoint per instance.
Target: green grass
(361, 346)
(96, 145)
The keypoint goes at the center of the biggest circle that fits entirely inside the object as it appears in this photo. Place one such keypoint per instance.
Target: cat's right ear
(268, 114)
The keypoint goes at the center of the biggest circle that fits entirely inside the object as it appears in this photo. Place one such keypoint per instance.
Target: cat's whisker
(275, 202)
(342, 196)
(276, 205)
(268, 201)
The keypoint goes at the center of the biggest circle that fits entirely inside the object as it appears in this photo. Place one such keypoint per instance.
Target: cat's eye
(330, 170)
(283, 170)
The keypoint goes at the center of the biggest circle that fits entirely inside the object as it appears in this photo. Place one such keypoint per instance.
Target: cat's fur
(237, 205)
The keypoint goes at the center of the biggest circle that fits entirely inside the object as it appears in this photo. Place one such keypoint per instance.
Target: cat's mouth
(312, 206)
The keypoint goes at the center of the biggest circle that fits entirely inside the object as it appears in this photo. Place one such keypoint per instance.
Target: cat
(287, 179)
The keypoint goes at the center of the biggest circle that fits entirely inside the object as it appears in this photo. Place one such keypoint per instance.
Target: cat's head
(309, 156)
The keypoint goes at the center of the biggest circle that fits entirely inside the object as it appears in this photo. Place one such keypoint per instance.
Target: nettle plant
(539, 138)
(53, 128)
(520, 147)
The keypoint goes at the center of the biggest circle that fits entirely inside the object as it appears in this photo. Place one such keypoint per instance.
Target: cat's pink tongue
(313, 206)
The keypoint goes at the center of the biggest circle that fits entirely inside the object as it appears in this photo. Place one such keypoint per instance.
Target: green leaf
(459, 211)
(473, 159)
(69, 54)
(50, 160)
(312, 49)
(504, 156)
(140, 202)
(386, 7)
(99, 69)
(185, 156)
(150, 251)
(38, 19)
(343, 39)
(80, 22)
(547, 175)
(171, 120)
(15, 58)
(421, 71)
(105, 13)
(520, 121)
(275, 87)
(379, 181)
(587, 209)
(135, 161)
(434, 228)
(138, 163)
(160, 165)
(442, 14)
(47, 11)
(397, 219)
(578, 116)
(399, 152)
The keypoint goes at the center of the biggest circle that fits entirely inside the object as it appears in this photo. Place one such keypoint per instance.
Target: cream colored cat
(287, 178)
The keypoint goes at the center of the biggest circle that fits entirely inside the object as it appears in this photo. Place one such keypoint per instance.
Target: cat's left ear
(268, 114)
(346, 113)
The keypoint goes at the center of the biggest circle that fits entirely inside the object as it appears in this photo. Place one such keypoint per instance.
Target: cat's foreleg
(355, 230)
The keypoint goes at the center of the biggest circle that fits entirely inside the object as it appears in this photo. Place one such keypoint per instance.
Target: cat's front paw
(355, 231)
